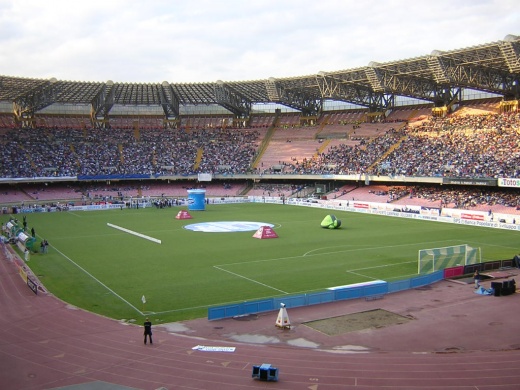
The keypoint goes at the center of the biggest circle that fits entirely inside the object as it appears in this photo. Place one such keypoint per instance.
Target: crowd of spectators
(476, 146)
(392, 193)
(275, 189)
(47, 153)
(465, 198)
(472, 146)
(345, 159)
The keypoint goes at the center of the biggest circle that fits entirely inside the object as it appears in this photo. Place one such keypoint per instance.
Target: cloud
(205, 41)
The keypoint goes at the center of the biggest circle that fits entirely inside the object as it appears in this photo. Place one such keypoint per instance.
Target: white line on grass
(134, 233)
(308, 254)
(382, 266)
(311, 254)
(480, 244)
(358, 274)
(353, 271)
(97, 280)
(183, 309)
(251, 280)
(366, 247)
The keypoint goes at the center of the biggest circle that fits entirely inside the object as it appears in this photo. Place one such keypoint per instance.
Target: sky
(191, 41)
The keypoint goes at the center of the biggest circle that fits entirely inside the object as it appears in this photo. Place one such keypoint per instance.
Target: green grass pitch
(107, 271)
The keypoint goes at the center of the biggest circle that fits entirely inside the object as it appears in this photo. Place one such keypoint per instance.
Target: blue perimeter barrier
(326, 296)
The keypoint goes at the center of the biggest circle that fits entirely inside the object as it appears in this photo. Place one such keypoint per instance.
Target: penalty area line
(249, 279)
(134, 233)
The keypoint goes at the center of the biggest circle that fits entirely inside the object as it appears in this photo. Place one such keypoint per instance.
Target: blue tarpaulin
(483, 291)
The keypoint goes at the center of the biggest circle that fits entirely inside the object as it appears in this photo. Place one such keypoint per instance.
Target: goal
(435, 259)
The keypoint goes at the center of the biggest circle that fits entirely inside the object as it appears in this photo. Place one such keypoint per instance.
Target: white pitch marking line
(134, 233)
(251, 280)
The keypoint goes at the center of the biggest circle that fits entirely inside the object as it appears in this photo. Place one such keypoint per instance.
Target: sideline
(97, 280)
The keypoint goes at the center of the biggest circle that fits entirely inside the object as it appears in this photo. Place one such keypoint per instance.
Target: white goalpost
(434, 259)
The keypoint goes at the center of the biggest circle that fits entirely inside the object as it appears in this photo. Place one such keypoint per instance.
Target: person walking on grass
(148, 330)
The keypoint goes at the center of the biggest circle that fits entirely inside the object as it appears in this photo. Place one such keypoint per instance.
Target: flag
(143, 299)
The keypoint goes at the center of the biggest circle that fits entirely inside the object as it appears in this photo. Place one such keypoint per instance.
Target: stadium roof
(437, 77)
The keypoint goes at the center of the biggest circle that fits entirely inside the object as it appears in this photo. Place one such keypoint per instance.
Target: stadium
(426, 148)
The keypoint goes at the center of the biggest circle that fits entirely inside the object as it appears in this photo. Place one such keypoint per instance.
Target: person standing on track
(148, 330)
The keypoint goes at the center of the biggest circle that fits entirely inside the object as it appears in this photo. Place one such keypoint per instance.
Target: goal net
(435, 259)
